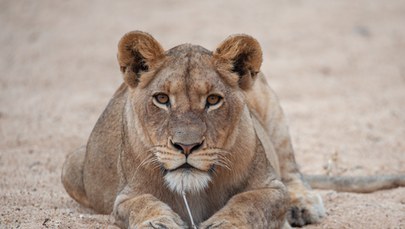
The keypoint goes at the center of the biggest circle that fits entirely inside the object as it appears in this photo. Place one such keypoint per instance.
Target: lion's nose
(187, 148)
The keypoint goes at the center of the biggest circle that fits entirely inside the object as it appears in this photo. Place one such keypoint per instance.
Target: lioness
(192, 121)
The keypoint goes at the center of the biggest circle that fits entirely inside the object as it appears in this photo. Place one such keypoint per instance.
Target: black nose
(186, 148)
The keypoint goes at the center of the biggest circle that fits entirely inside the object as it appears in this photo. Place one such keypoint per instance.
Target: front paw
(306, 208)
(219, 223)
(162, 222)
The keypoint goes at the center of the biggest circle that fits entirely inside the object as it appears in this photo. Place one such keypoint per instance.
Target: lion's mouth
(185, 167)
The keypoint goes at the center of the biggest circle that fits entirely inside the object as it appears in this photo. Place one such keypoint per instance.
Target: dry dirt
(338, 67)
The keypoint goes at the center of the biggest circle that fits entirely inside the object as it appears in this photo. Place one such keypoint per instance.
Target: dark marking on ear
(239, 64)
(139, 64)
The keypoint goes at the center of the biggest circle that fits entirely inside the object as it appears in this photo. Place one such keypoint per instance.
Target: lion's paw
(162, 222)
(306, 208)
(213, 224)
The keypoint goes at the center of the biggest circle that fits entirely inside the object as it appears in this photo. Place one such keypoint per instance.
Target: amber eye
(162, 98)
(213, 100)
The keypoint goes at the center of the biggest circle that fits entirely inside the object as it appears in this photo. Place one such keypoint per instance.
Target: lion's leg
(259, 208)
(306, 205)
(144, 211)
(72, 176)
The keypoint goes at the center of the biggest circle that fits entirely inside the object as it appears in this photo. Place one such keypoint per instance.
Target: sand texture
(337, 66)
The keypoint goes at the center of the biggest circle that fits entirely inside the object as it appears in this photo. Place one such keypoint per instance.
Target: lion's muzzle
(187, 149)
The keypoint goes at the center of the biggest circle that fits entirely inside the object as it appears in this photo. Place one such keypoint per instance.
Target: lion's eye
(213, 100)
(162, 98)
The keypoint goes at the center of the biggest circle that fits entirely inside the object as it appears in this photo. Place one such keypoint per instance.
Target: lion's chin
(188, 180)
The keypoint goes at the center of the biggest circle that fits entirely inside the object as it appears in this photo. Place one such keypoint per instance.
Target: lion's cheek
(154, 127)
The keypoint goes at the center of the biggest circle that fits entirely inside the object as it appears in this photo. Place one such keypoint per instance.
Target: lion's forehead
(189, 71)
(188, 50)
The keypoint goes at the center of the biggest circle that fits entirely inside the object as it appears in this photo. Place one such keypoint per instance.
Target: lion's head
(188, 106)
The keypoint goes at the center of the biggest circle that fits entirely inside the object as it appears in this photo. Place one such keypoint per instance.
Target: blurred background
(337, 66)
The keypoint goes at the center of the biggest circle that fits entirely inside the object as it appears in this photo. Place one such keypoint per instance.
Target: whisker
(148, 161)
(222, 164)
(155, 163)
(145, 162)
(213, 171)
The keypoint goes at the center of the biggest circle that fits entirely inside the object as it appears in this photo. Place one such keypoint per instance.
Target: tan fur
(244, 172)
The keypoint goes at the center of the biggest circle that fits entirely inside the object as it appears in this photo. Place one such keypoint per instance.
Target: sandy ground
(338, 67)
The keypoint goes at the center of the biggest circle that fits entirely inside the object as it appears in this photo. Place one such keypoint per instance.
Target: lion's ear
(138, 52)
(242, 55)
